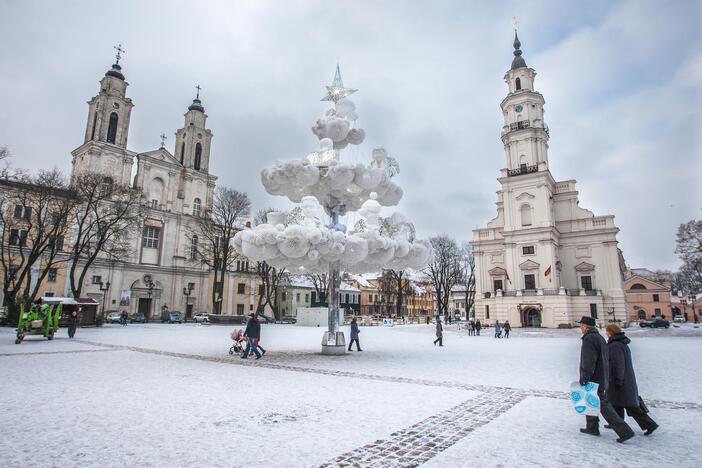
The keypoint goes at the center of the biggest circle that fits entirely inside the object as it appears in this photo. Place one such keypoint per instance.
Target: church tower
(193, 140)
(104, 148)
(543, 260)
(525, 135)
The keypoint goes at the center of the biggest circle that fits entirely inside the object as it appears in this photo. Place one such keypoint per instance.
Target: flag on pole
(507, 275)
(548, 271)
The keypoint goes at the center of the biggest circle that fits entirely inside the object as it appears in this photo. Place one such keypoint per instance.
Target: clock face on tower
(518, 108)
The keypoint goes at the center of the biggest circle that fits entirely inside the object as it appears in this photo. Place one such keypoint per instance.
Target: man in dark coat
(253, 334)
(594, 367)
(623, 392)
(354, 334)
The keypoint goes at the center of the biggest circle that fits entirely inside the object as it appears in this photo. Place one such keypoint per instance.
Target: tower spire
(116, 69)
(197, 103)
(518, 61)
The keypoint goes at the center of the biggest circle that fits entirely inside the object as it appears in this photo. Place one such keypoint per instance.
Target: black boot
(650, 430)
(594, 432)
(592, 426)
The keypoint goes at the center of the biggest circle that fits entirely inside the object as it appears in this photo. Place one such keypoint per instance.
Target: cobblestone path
(415, 444)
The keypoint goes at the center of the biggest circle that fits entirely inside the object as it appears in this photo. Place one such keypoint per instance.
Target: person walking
(73, 323)
(594, 367)
(623, 392)
(354, 334)
(498, 332)
(478, 327)
(471, 328)
(124, 317)
(253, 334)
(507, 328)
(439, 332)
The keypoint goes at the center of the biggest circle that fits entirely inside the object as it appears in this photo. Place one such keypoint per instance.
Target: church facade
(543, 261)
(162, 265)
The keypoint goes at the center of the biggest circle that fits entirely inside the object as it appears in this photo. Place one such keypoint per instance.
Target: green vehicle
(38, 320)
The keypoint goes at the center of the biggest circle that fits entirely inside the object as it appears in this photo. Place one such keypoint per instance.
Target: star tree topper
(336, 91)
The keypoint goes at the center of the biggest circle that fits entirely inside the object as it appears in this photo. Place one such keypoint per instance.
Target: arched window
(642, 314)
(112, 129)
(106, 187)
(638, 286)
(182, 152)
(525, 212)
(197, 207)
(193, 248)
(518, 84)
(198, 156)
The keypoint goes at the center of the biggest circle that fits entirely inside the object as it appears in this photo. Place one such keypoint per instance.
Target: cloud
(621, 82)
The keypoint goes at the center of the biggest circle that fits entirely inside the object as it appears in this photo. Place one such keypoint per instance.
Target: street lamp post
(691, 299)
(187, 292)
(104, 287)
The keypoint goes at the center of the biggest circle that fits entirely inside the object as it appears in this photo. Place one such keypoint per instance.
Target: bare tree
(105, 220)
(272, 280)
(445, 270)
(320, 282)
(211, 242)
(33, 225)
(468, 261)
(689, 249)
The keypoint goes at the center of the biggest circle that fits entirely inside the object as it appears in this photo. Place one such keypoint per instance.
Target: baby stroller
(239, 341)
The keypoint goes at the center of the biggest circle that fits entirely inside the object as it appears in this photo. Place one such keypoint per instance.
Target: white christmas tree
(340, 187)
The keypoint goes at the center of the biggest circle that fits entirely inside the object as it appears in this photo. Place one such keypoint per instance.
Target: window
(638, 286)
(151, 235)
(518, 84)
(193, 248)
(656, 298)
(241, 288)
(586, 282)
(240, 309)
(529, 282)
(307, 298)
(22, 211)
(525, 212)
(297, 297)
(197, 204)
(497, 284)
(182, 152)
(642, 314)
(106, 187)
(528, 250)
(658, 312)
(18, 237)
(154, 203)
(593, 311)
(112, 129)
(92, 132)
(191, 286)
(347, 299)
(97, 279)
(48, 294)
(198, 157)
(51, 275)
(218, 286)
(487, 312)
(314, 297)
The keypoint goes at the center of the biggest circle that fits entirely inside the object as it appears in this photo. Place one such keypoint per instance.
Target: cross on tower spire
(514, 23)
(119, 50)
(198, 91)
(163, 140)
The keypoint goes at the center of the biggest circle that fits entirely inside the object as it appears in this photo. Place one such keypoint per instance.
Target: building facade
(162, 271)
(544, 260)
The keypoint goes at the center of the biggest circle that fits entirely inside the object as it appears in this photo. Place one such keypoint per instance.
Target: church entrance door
(532, 318)
(145, 307)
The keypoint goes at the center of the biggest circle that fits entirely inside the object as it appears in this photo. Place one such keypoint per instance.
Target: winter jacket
(478, 325)
(594, 360)
(354, 331)
(439, 329)
(622, 381)
(507, 327)
(497, 327)
(253, 328)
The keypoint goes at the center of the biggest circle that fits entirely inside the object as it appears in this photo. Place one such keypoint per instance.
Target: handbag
(642, 405)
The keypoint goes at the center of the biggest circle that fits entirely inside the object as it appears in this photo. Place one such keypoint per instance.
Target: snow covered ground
(170, 395)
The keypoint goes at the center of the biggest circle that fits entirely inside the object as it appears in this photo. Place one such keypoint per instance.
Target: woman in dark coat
(623, 392)
(354, 335)
(507, 328)
(72, 324)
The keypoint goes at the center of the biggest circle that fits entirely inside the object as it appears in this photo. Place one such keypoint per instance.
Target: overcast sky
(621, 80)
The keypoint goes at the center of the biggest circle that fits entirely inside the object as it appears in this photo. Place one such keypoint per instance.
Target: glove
(582, 382)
